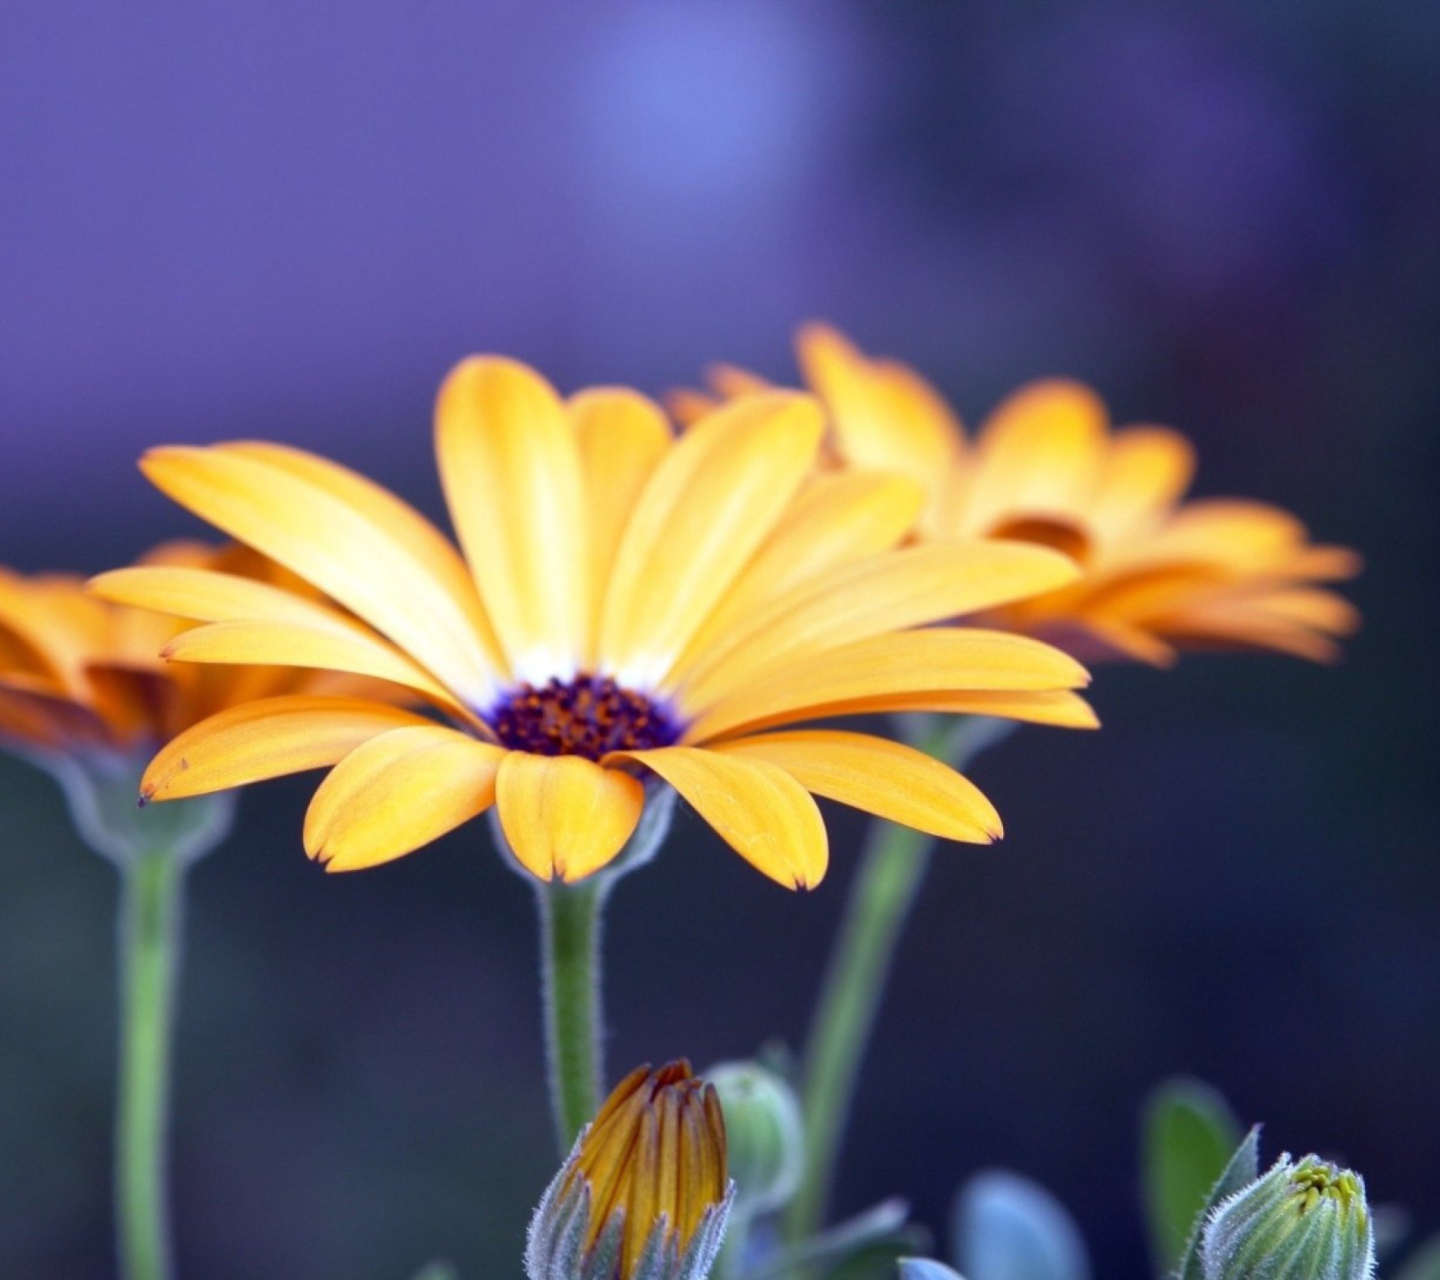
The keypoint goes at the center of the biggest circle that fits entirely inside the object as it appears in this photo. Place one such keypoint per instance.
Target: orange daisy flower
(1159, 574)
(627, 604)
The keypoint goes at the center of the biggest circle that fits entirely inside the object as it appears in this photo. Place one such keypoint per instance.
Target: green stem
(570, 928)
(149, 958)
(892, 869)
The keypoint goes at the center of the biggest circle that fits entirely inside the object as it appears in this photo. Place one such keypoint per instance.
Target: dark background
(287, 221)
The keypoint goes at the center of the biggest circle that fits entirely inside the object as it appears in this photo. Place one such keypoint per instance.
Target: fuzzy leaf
(1242, 1169)
(1189, 1133)
(1009, 1228)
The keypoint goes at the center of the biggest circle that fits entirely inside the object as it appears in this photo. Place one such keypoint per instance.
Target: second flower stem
(570, 924)
(149, 959)
(892, 869)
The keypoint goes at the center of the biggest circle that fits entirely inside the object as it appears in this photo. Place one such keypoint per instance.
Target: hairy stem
(150, 913)
(570, 930)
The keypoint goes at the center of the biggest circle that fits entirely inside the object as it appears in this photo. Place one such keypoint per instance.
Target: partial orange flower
(627, 605)
(81, 674)
(85, 695)
(1159, 574)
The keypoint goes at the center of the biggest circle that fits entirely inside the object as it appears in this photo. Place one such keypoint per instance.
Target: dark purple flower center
(584, 716)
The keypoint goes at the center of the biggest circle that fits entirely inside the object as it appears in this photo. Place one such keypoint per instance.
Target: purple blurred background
(288, 221)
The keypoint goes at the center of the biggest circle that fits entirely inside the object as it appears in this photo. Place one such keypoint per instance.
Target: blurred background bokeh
(286, 221)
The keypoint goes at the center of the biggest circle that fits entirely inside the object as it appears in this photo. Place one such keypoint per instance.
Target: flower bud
(643, 1194)
(764, 1132)
(1305, 1221)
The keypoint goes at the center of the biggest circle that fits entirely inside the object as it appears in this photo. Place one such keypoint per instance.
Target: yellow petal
(1323, 610)
(1144, 474)
(1117, 638)
(730, 381)
(835, 519)
(1324, 564)
(886, 416)
(354, 551)
(891, 591)
(1058, 708)
(288, 644)
(1295, 622)
(399, 791)
(1039, 454)
(1241, 535)
(881, 777)
(266, 739)
(510, 466)
(758, 809)
(712, 501)
(622, 438)
(1135, 597)
(564, 815)
(949, 659)
(206, 596)
(60, 629)
(687, 405)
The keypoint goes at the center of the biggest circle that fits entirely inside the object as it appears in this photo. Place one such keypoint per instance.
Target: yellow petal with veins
(565, 816)
(948, 659)
(288, 644)
(399, 791)
(709, 505)
(510, 467)
(337, 544)
(757, 808)
(1058, 708)
(622, 438)
(268, 738)
(878, 776)
(889, 592)
(837, 518)
(412, 532)
(206, 596)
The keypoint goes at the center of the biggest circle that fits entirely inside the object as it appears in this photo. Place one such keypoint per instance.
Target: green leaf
(1188, 1135)
(1424, 1263)
(1242, 1169)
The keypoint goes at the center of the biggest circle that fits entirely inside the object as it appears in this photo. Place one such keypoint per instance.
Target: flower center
(585, 716)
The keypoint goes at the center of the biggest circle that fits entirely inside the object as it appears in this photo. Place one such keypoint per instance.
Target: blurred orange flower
(81, 674)
(1158, 574)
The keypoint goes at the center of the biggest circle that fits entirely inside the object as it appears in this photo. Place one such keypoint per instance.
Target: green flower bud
(765, 1134)
(1305, 1221)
